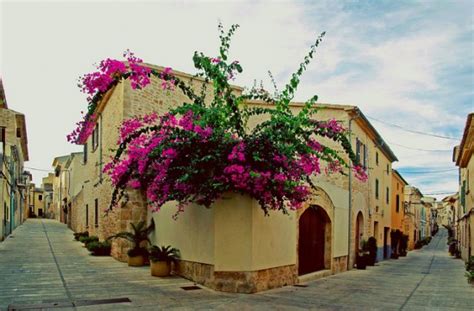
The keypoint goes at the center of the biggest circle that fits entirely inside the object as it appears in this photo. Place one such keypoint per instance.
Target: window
(96, 212)
(397, 200)
(361, 153)
(462, 196)
(388, 169)
(40, 197)
(387, 199)
(358, 150)
(364, 162)
(87, 215)
(85, 153)
(18, 132)
(95, 137)
(377, 158)
(376, 188)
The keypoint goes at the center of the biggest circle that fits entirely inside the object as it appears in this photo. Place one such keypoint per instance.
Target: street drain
(100, 301)
(190, 287)
(78, 303)
(300, 285)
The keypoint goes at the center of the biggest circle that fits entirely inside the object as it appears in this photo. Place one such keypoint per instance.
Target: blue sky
(408, 63)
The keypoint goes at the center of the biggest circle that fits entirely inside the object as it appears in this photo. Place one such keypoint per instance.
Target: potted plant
(161, 258)
(137, 254)
(403, 244)
(99, 248)
(362, 256)
(372, 248)
(395, 241)
(418, 244)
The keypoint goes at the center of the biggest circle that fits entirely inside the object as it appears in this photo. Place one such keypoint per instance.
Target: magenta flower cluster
(203, 148)
(108, 72)
(83, 130)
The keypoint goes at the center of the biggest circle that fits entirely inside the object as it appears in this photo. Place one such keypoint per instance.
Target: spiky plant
(164, 253)
(139, 233)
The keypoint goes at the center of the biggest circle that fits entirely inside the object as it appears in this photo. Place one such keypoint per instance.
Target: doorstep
(314, 276)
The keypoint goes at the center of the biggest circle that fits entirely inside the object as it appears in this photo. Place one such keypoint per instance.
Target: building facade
(413, 212)
(398, 201)
(345, 210)
(464, 216)
(13, 154)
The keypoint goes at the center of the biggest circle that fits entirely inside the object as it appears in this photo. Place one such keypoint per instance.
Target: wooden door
(311, 241)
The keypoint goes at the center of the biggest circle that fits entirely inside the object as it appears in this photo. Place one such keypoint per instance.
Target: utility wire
(38, 169)
(420, 149)
(404, 171)
(440, 193)
(413, 131)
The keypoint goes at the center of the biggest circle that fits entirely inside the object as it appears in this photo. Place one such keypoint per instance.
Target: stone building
(238, 249)
(36, 206)
(464, 216)
(76, 215)
(47, 186)
(13, 154)
(319, 239)
(59, 210)
(446, 211)
(413, 209)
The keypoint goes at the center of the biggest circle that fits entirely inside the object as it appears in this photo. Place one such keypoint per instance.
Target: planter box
(232, 246)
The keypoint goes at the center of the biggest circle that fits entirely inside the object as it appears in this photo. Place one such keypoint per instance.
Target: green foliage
(164, 253)
(99, 248)
(137, 251)
(139, 234)
(88, 239)
(78, 235)
(470, 276)
(470, 264)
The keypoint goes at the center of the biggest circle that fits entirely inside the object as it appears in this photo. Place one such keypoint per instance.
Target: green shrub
(88, 239)
(78, 235)
(470, 277)
(470, 264)
(99, 248)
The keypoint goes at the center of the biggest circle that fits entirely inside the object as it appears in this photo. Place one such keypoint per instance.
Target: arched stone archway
(359, 232)
(314, 241)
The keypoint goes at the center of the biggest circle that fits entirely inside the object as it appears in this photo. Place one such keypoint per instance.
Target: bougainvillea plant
(204, 148)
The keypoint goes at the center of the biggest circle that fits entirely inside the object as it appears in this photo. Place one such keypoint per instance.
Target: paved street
(41, 264)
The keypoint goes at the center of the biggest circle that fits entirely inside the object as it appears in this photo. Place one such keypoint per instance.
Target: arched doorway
(314, 241)
(359, 231)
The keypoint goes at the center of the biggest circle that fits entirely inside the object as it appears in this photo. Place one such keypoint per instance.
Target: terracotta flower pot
(136, 261)
(160, 268)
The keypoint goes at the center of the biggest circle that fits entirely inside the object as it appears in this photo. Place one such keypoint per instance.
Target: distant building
(413, 212)
(398, 201)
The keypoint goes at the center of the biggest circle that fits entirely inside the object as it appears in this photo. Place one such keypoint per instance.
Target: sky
(405, 63)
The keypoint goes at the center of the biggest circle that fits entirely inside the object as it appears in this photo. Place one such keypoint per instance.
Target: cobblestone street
(40, 264)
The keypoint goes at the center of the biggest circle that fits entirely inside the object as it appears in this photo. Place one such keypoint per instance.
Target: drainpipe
(350, 193)
(12, 197)
(100, 148)
(350, 202)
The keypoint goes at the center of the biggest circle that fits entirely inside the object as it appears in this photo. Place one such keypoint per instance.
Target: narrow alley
(42, 267)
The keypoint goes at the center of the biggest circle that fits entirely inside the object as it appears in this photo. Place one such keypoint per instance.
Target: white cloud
(389, 64)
